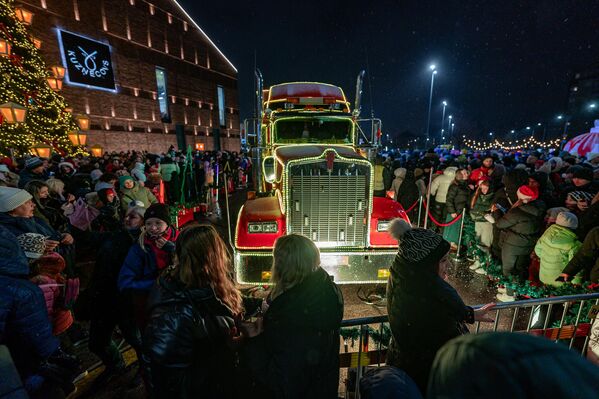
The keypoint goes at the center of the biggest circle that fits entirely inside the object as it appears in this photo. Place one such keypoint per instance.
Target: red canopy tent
(585, 143)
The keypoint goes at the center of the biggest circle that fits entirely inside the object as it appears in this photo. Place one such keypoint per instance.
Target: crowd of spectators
(536, 212)
(172, 297)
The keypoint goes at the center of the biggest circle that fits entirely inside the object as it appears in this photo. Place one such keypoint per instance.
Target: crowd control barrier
(565, 319)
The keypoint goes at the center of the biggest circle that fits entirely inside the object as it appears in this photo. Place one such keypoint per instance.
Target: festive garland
(381, 336)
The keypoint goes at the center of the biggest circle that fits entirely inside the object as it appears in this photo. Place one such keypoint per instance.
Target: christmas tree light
(23, 81)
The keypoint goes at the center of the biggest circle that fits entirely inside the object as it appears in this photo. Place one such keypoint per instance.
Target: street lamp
(592, 105)
(433, 69)
(13, 113)
(560, 117)
(24, 15)
(58, 72)
(96, 150)
(443, 117)
(42, 150)
(82, 121)
(54, 83)
(4, 48)
(77, 138)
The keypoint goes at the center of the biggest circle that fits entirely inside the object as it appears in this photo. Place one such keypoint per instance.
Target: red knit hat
(527, 194)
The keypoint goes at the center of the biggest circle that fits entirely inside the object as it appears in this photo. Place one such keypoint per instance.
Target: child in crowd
(556, 247)
(152, 253)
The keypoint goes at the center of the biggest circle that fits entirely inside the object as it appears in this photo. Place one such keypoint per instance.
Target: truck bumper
(346, 267)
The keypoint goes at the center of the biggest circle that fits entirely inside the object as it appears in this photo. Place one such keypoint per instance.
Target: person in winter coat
(109, 217)
(439, 187)
(379, 184)
(16, 214)
(132, 191)
(188, 344)
(504, 199)
(25, 327)
(44, 210)
(47, 274)
(457, 199)
(147, 258)
(583, 187)
(506, 365)
(480, 205)
(556, 247)
(138, 172)
(482, 173)
(293, 352)
(167, 168)
(585, 260)
(407, 194)
(110, 307)
(424, 310)
(400, 175)
(588, 216)
(520, 229)
(34, 170)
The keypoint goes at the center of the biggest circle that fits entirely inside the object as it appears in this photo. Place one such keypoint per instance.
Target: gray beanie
(33, 163)
(567, 219)
(12, 198)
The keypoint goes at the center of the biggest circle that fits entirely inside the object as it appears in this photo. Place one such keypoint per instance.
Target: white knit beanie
(11, 198)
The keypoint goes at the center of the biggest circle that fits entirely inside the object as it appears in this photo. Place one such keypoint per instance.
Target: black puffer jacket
(186, 342)
(521, 226)
(297, 355)
(424, 313)
(458, 195)
(587, 258)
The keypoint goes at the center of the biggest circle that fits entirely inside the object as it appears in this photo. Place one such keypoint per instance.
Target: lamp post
(433, 69)
(96, 150)
(42, 150)
(77, 138)
(13, 113)
(443, 117)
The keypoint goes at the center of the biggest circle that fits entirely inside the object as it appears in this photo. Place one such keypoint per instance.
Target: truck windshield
(314, 130)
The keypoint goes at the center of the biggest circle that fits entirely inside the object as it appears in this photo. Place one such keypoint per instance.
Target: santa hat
(527, 194)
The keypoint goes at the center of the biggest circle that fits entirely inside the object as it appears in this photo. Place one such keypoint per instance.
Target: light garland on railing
(513, 145)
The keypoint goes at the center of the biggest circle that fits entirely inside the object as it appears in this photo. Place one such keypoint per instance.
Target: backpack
(83, 215)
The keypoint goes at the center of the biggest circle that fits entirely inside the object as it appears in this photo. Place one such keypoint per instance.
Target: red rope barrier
(412, 207)
(435, 221)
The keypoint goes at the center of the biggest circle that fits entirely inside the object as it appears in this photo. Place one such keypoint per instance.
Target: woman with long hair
(294, 351)
(193, 308)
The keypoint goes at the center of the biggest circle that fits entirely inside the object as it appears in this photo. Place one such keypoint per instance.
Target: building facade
(583, 100)
(144, 72)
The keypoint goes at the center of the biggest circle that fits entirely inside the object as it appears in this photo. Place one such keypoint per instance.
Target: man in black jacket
(587, 259)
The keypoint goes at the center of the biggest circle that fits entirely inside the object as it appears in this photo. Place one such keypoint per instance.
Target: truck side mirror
(269, 169)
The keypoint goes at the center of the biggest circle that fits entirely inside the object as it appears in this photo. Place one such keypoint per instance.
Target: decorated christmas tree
(24, 83)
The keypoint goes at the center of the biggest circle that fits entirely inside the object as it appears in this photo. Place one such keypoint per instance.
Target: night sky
(502, 64)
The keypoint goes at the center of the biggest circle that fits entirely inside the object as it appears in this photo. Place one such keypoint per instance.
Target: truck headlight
(383, 225)
(263, 227)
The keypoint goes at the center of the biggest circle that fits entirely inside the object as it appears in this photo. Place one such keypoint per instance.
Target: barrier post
(419, 209)
(461, 232)
(428, 197)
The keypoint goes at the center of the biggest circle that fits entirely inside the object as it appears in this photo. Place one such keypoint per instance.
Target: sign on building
(87, 61)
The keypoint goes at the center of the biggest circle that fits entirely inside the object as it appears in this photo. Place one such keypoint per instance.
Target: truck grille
(329, 207)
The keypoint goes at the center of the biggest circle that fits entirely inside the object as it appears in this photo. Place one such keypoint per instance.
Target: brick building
(143, 71)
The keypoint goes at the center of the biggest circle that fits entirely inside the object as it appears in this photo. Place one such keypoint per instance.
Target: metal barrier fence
(561, 319)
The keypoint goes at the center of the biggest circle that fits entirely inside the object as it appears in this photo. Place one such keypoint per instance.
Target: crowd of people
(170, 292)
(536, 212)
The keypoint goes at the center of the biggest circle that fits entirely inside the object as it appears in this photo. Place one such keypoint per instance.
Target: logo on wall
(87, 61)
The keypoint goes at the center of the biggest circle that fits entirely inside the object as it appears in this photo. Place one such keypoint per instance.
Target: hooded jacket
(297, 354)
(508, 365)
(441, 184)
(138, 172)
(136, 193)
(556, 247)
(458, 195)
(424, 313)
(185, 343)
(400, 175)
(24, 324)
(521, 226)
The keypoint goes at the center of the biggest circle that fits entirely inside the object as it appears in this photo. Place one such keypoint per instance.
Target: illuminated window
(221, 105)
(165, 115)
